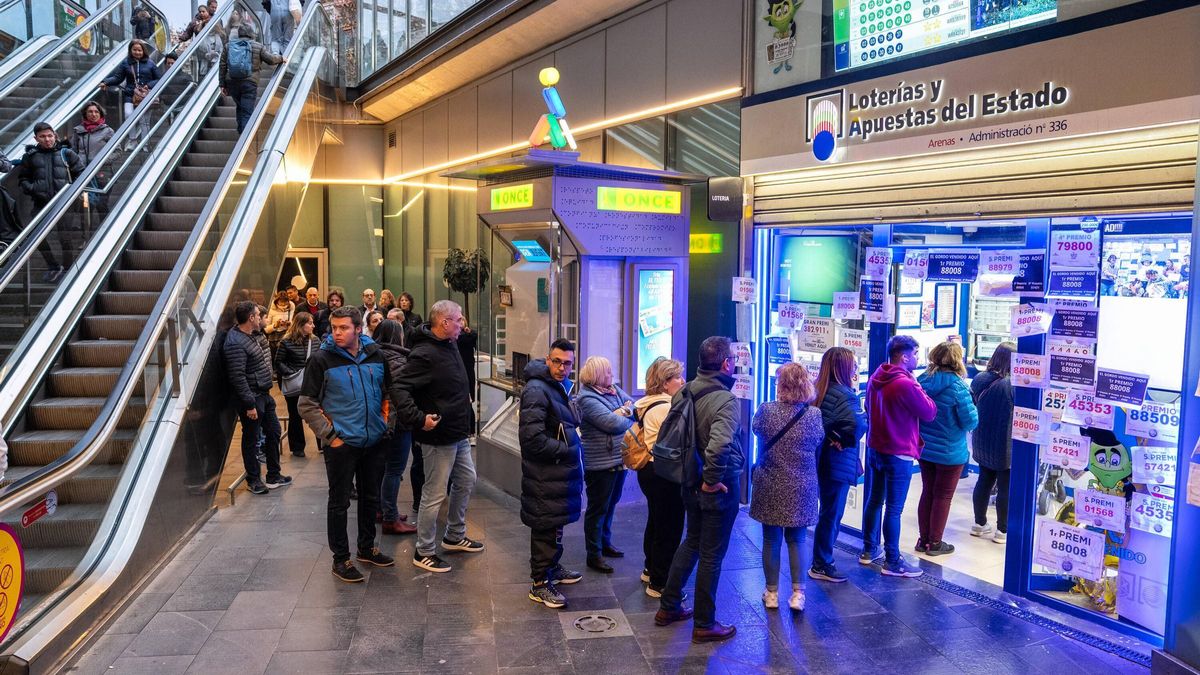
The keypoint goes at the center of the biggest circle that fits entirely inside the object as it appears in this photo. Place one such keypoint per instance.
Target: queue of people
(400, 396)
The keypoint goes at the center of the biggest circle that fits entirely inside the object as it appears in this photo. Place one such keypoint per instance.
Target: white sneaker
(796, 602)
(1000, 537)
(981, 530)
(771, 599)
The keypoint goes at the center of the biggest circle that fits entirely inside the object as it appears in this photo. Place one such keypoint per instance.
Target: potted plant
(466, 273)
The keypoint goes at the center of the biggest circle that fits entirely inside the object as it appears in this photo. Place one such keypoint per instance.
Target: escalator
(119, 418)
(88, 370)
(57, 80)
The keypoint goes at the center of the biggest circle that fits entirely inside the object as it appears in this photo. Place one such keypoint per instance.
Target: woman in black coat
(389, 335)
(291, 357)
(838, 464)
(412, 320)
(136, 72)
(991, 442)
(551, 471)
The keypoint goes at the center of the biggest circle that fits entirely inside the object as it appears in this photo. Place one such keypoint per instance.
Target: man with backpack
(551, 470)
(699, 443)
(241, 61)
(46, 168)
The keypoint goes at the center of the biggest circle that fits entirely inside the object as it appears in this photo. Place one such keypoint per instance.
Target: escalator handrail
(14, 258)
(66, 41)
(15, 494)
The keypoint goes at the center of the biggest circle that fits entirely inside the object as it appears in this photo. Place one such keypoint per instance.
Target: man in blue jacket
(345, 401)
(551, 471)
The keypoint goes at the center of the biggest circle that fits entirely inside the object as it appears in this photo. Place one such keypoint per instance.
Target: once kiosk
(618, 233)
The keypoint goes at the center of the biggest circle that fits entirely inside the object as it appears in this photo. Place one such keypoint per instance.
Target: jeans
(442, 463)
(603, 493)
(664, 523)
(545, 550)
(267, 423)
(244, 93)
(829, 520)
(888, 477)
(396, 451)
(983, 492)
(773, 537)
(296, 440)
(937, 492)
(66, 242)
(143, 126)
(416, 476)
(343, 465)
(710, 518)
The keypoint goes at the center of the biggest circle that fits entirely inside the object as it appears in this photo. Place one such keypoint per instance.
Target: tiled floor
(252, 593)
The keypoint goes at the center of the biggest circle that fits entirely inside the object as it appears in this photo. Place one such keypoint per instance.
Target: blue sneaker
(900, 569)
(871, 557)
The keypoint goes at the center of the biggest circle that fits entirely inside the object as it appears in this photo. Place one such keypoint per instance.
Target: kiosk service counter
(593, 253)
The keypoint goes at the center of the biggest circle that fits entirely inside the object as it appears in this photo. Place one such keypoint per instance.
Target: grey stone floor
(252, 593)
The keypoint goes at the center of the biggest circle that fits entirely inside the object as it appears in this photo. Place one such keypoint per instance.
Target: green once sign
(512, 197)
(638, 200)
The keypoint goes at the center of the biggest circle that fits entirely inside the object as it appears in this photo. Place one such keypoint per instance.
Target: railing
(174, 333)
(73, 60)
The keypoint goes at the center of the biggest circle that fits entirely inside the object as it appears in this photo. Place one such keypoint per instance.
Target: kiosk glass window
(1103, 522)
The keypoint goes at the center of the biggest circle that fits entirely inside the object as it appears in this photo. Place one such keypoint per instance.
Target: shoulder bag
(291, 384)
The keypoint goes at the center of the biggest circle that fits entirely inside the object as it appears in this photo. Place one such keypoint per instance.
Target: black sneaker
(278, 481)
(464, 544)
(940, 548)
(346, 571)
(548, 595)
(562, 575)
(431, 563)
(826, 573)
(256, 487)
(261, 457)
(376, 557)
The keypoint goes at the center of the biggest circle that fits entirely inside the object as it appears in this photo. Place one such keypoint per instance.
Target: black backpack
(677, 435)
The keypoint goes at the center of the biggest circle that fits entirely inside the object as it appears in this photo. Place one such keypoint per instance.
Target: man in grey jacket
(711, 489)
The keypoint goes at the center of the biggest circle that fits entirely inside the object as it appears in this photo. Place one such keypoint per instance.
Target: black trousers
(343, 465)
(603, 492)
(983, 492)
(268, 423)
(664, 523)
(545, 550)
(296, 440)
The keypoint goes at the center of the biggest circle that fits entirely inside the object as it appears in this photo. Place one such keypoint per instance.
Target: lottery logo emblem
(825, 126)
(1067, 566)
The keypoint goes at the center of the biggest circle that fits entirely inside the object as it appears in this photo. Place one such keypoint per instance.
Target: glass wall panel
(445, 10)
(418, 21)
(382, 42)
(706, 139)
(641, 144)
(399, 26)
(366, 29)
(356, 238)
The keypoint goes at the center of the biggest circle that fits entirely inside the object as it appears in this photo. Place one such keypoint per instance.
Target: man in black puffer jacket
(551, 470)
(248, 367)
(46, 168)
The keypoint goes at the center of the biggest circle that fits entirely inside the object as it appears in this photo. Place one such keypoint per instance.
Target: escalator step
(151, 260)
(185, 188)
(163, 241)
(39, 448)
(78, 412)
(47, 568)
(212, 147)
(128, 302)
(181, 205)
(206, 174)
(216, 159)
(71, 525)
(229, 135)
(90, 485)
(140, 280)
(115, 326)
(174, 222)
(99, 353)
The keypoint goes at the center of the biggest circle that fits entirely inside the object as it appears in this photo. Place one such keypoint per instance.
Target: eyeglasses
(562, 364)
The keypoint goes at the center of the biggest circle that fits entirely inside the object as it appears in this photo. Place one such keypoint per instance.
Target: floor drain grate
(595, 623)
